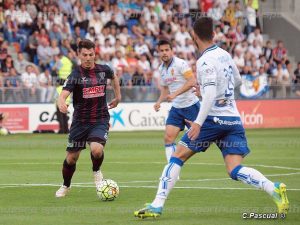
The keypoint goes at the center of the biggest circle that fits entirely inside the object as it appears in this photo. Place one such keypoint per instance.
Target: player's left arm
(115, 83)
(209, 83)
(191, 82)
(236, 76)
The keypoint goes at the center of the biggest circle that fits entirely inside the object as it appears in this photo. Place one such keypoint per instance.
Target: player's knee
(97, 153)
(97, 150)
(169, 139)
(71, 160)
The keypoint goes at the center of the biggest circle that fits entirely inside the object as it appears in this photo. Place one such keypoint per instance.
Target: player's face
(87, 57)
(165, 53)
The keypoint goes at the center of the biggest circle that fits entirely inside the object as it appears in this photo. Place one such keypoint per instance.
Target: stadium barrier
(27, 118)
(248, 90)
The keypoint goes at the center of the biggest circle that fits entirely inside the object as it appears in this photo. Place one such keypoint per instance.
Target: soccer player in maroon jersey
(90, 122)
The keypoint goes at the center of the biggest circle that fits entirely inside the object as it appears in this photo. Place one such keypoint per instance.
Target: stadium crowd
(38, 39)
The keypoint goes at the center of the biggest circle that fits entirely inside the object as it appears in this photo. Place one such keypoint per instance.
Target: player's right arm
(209, 85)
(61, 101)
(67, 88)
(163, 95)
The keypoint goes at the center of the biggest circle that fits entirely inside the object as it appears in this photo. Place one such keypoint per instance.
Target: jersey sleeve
(208, 74)
(186, 70)
(71, 81)
(208, 83)
(236, 76)
(110, 73)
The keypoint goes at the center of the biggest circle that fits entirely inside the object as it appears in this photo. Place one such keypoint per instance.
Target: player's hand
(114, 103)
(171, 97)
(196, 90)
(62, 106)
(157, 106)
(194, 130)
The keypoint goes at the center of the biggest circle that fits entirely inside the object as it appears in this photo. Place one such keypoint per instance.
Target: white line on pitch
(151, 181)
(126, 186)
(136, 163)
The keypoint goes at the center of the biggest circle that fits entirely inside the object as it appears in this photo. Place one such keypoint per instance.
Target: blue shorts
(178, 115)
(80, 133)
(227, 132)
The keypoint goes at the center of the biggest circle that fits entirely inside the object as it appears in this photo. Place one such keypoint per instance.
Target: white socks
(170, 148)
(253, 177)
(167, 181)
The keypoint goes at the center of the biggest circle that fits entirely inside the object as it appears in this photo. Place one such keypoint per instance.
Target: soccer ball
(3, 131)
(108, 190)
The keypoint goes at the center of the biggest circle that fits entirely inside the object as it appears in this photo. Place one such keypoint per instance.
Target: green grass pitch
(30, 173)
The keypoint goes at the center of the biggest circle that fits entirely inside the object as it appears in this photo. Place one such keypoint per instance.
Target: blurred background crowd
(38, 44)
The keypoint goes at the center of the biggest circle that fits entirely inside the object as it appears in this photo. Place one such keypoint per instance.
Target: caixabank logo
(136, 118)
(116, 117)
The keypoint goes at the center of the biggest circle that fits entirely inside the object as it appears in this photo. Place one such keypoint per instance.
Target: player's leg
(171, 134)
(167, 181)
(97, 137)
(174, 124)
(234, 148)
(76, 143)
(185, 149)
(68, 169)
(97, 157)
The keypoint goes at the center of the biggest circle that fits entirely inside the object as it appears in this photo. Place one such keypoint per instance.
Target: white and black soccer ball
(108, 190)
(4, 131)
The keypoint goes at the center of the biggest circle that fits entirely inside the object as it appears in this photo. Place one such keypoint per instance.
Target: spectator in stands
(55, 33)
(81, 18)
(20, 63)
(280, 80)
(2, 18)
(255, 49)
(182, 35)
(12, 83)
(296, 80)
(91, 35)
(6, 65)
(256, 35)
(24, 20)
(32, 9)
(44, 54)
(279, 52)
(251, 18)
(243, 47)
(123, 36)
(3, 51)
(239, 34)
(33, 43)
(268, 51)
(112, 24)
(125, 76)
(219, 37)
(141, 48)
(105, 14)
(46, 88)
(107, 48)
(229, 15)
(216, 13)
(43, 36)
(144, 63)
(239, 59)
(66, 7)
(29, 81)
(119, 61)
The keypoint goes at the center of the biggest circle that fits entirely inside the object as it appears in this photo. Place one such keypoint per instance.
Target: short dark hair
(86, 43)
(203, 28)
(164, 42)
